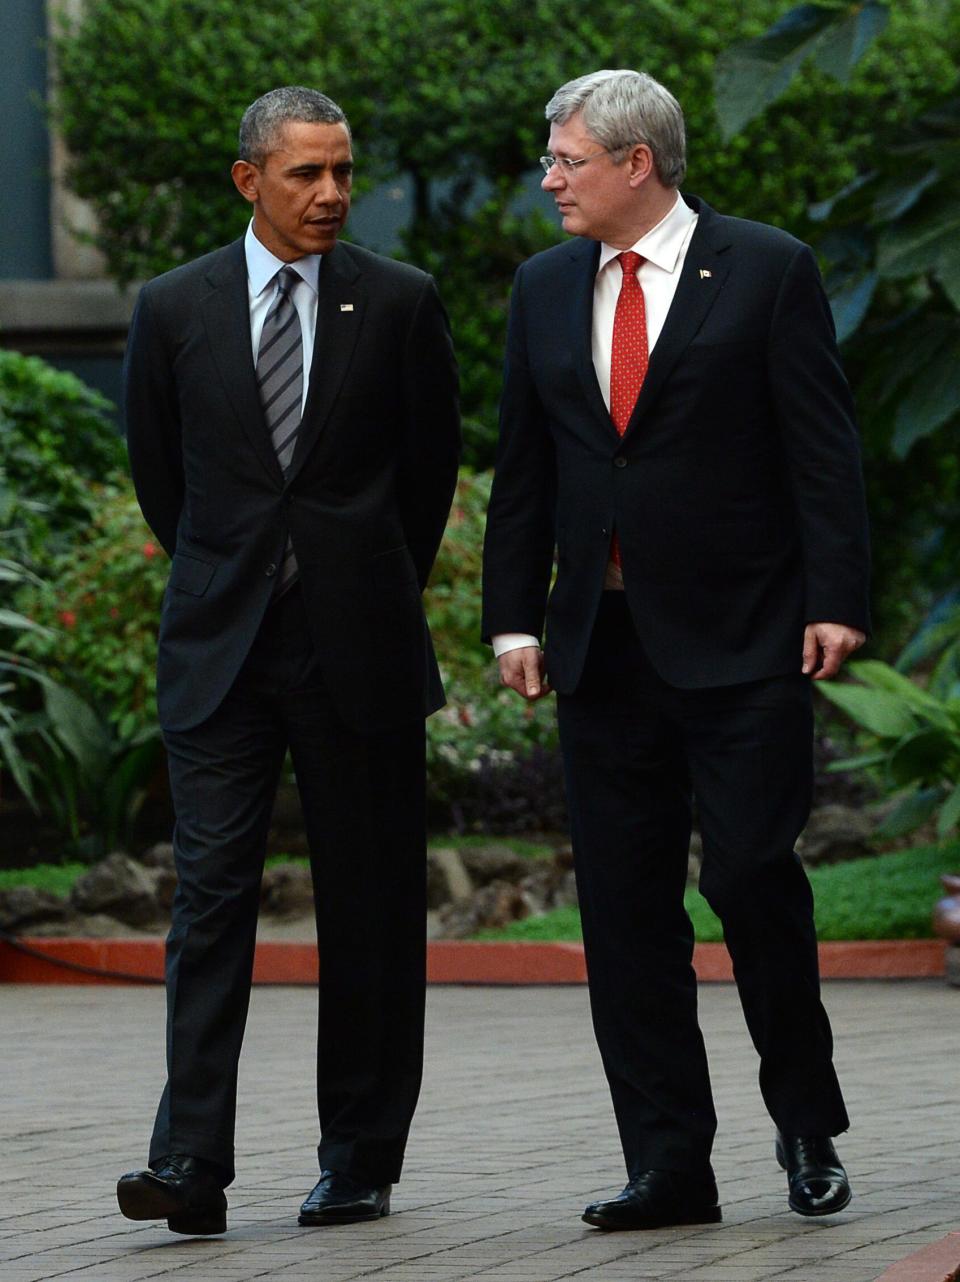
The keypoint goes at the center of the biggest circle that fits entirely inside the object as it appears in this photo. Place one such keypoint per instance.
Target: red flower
(114, 612)
(465, 717)
(68, 618)
(149, 550)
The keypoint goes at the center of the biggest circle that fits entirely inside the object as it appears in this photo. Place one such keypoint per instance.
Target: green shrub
(911, 736)
(450, 94)
(56, 437)
(103, 605)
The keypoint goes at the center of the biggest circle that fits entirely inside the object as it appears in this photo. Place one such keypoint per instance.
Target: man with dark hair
(676, 427)
(291, 409)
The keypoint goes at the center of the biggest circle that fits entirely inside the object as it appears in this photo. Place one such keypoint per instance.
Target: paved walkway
(513, 1136)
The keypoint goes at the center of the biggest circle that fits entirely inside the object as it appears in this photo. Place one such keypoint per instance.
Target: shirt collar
(262, 265)
(662, 244)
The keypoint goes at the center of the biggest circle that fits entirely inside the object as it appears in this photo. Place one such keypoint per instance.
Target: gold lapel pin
(346, 307)
(704, 274)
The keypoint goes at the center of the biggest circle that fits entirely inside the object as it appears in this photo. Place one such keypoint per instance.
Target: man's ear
(246, 179)
(641, 165)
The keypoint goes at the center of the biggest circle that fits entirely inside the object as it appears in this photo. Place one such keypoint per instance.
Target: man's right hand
(522, 670)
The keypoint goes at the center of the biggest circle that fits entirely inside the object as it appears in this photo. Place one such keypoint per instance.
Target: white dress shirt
(663, 250)
(262, 268)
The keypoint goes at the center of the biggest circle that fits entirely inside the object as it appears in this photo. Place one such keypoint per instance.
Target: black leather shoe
(337, 1199)
(657, 1199)
(185, 1191)
(817, 1182)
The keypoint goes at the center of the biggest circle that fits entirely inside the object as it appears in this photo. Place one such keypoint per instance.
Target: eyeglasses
(565, 164)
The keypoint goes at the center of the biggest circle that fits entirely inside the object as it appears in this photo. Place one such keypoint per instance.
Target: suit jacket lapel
(226, 318)
(585, 255)
(701, 279)
(340, 308)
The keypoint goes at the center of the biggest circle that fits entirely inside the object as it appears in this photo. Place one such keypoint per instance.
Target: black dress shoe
(337, 1199)
(817, 1182)
(185, 1191)
(657, 1199)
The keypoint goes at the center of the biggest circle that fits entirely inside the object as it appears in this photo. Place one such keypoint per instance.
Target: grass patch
(56, 878)
(881, 897)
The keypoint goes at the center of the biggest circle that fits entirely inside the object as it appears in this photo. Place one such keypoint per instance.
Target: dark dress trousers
(340, 670)
(737, 496)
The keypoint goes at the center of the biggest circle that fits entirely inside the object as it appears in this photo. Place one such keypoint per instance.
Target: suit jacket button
(619, 461)
(270, 570)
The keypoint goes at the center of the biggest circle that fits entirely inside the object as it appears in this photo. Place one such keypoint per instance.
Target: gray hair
(264, 119)
(622, 108)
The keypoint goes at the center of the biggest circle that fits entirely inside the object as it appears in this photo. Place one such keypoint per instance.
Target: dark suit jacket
(365, 499)
(736, 490)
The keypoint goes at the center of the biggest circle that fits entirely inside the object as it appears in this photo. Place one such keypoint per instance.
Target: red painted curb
(448, 961)
(939, 1262)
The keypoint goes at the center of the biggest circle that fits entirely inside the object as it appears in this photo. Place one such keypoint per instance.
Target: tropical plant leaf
(895, 197)
(862, 762)
(12, 757)
(851, 301)
(887, 715)
(923, 758)
(917, 243)
(931, 398)
(844, 43)
(940, 627)
(945, 678)
(881, 676)
(19, 622)
(81, 731)
(949, 816)
(750, 75)
(911, 813)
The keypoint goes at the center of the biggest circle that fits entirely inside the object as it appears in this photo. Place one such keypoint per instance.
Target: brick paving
(514, 1134)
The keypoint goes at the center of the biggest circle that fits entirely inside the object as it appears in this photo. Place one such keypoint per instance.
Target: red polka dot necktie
(629, 356)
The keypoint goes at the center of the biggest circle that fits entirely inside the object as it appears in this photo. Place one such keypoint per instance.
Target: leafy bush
(101, 611)
(492, 760)
(56, 436)
(450, 94)
(912, 735)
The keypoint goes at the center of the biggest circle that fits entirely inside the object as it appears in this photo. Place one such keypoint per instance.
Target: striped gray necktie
(280, 379)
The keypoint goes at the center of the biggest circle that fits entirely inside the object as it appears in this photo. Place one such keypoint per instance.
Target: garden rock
(159, 856)
(835, 833)
(287, 890)
(490, 908)
(496, 862)
(548, 886)
(23, 906)
(447, 878)
(119, 887)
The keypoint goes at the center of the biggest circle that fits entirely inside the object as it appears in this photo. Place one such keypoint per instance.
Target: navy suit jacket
(736, 491)
(365, 498)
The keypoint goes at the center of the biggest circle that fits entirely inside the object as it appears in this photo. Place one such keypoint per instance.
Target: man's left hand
(826, 645)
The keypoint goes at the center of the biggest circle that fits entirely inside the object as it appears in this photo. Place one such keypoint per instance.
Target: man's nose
(326, 191)
(553, 179)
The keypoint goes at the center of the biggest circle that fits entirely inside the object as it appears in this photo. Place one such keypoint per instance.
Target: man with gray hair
(291, 411)
(677, 434)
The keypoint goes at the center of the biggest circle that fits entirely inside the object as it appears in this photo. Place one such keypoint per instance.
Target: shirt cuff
(504, 642)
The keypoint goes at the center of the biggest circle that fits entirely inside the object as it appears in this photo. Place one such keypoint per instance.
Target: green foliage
(487, 749)
(58, 879)
(55, 438)
(883, 897)
(149, 98)
(15, 672)
(913, 735)
(888, 236)
(752, 75)
(91, 780)
(449, 94)
(101, 611)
